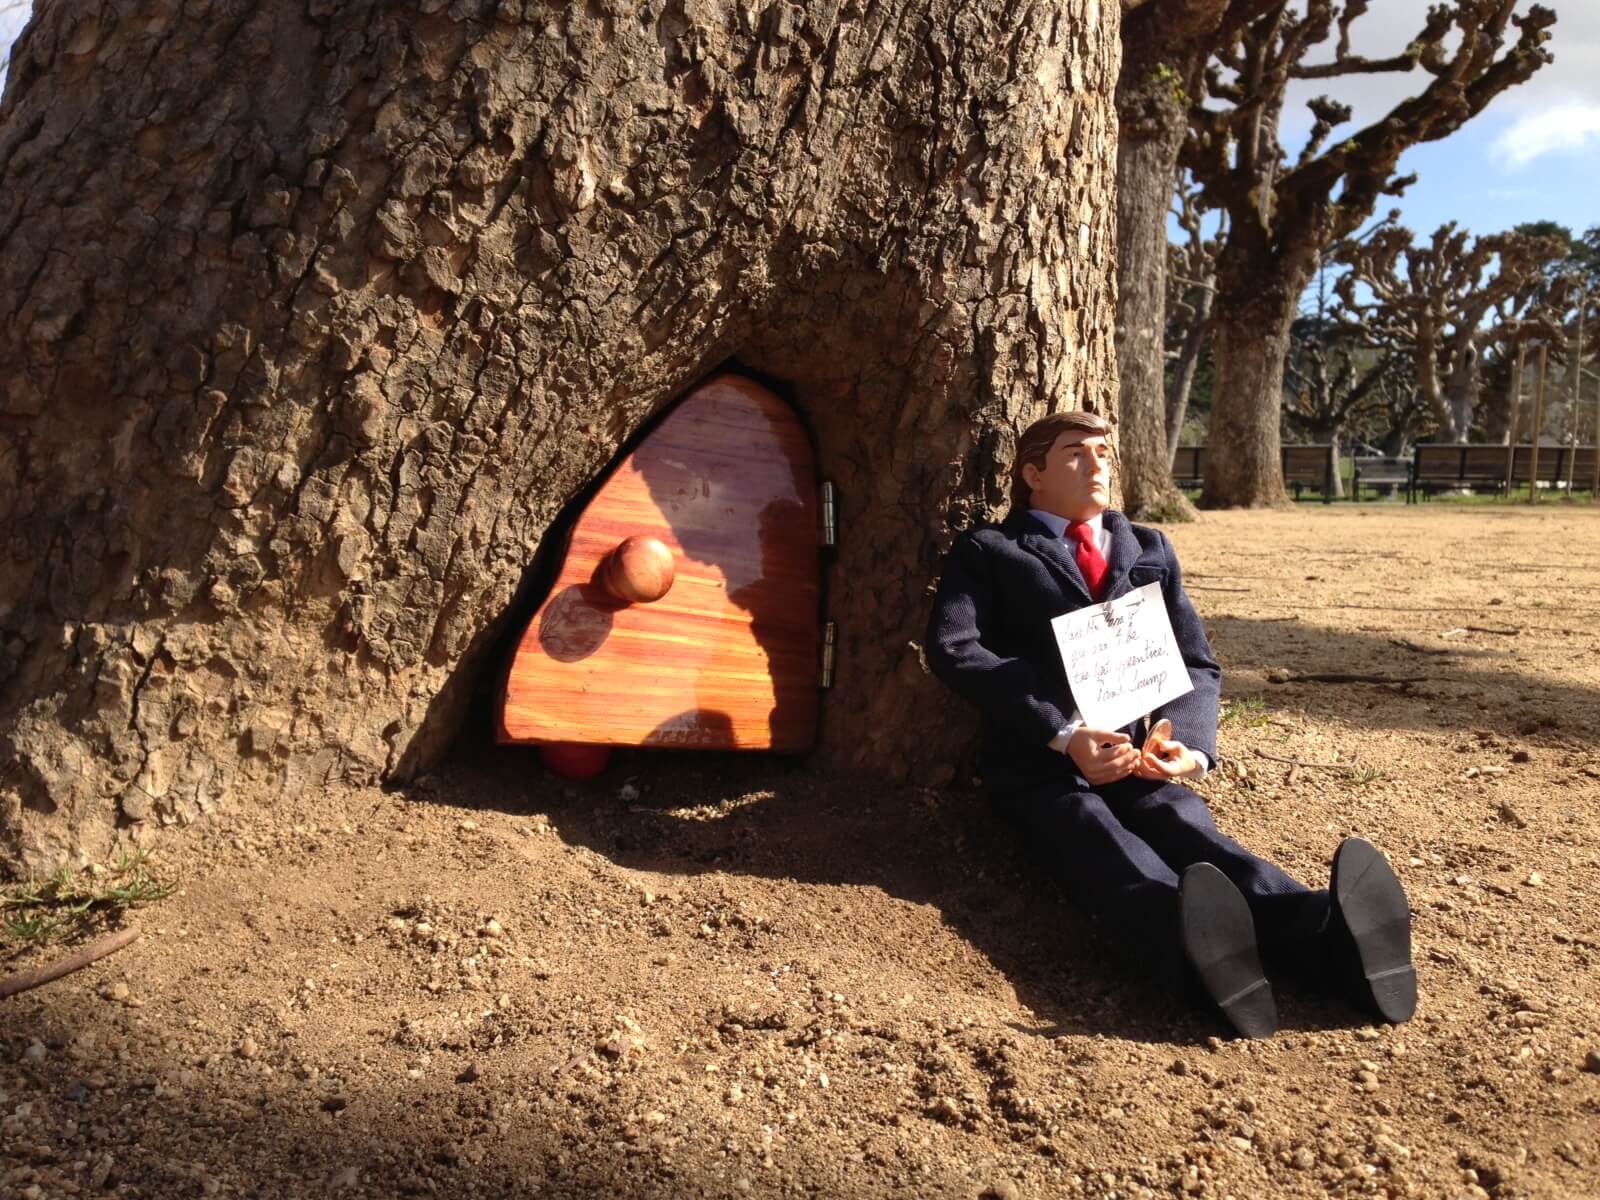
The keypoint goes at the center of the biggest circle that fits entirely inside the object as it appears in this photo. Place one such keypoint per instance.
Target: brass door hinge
(830, 633)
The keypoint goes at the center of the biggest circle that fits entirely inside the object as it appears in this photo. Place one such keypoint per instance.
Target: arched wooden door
(728, 658)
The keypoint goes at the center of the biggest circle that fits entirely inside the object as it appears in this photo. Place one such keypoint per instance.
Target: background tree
(315, 316)
(1558, 308)
(1430, 304)
(1332, 383)
(1191, 286)
(1165, 47)
(1283, 214)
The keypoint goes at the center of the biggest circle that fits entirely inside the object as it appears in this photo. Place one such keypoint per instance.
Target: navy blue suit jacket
(989, 638)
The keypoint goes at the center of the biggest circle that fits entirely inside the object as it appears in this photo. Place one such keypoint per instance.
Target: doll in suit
(1108, 808)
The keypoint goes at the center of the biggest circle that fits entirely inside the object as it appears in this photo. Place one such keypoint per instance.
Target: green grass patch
(1247, 712)
(1518, 497)
(71, 900)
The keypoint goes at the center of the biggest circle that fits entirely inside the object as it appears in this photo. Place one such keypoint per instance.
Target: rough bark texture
(315, 316)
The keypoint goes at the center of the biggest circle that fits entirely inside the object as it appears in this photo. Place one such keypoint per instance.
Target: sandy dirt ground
(713, 976)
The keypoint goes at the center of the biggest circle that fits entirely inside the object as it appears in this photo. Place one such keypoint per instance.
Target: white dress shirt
(1102, 538)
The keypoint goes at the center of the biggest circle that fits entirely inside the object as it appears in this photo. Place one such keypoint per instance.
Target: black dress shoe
(1371, 930)
(1219, 939)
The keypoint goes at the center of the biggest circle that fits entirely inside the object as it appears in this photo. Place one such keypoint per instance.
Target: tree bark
(317, 314)
(1250, 342)
(1152, 121)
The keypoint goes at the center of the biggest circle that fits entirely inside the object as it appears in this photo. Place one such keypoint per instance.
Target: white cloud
(1567, 126)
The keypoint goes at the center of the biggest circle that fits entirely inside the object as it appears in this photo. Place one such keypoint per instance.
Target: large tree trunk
(315, 315)
(1250, 344)
(1151, 125)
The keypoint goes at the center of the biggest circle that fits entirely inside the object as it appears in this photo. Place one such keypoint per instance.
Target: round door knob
(639, 570)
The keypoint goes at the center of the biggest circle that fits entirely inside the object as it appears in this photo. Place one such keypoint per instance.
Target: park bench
(1380, 472)
(1311, 466)
(1186, 466)
(1436, 468)
(1303, 466)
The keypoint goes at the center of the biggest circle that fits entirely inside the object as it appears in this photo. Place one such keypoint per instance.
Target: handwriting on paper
(1121, 658)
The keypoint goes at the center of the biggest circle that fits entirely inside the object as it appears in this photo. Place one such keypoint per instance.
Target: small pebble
(101, 1171)
(248, 1048)
(1591, 1062)
(35, 1052)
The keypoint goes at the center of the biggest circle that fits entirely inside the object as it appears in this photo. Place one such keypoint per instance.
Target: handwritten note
(1121, 658)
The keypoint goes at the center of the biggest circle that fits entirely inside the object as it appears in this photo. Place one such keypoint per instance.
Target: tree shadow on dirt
(1474, 680)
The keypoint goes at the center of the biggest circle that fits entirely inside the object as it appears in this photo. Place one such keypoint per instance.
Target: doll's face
(1075, 481)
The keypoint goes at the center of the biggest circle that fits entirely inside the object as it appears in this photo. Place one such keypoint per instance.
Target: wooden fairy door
(727, 658)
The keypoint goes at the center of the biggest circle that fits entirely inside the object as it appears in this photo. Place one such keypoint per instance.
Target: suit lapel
(1036, 538)
(1124, 552)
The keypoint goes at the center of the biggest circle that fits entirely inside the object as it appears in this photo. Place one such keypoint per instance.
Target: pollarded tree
(1283, 214)
(316, 314)
(1431, 304)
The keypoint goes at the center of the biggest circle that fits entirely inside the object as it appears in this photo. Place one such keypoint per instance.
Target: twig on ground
(1508, 631)
(1416, 648)
(23, 981)
(1300, 762)
(1340, 677)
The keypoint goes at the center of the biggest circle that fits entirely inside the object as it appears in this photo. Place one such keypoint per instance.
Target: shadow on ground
(1475, 681)
(947, 851)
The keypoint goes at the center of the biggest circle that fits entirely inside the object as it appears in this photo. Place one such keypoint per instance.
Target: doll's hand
(1102, 755)
(1164, 757)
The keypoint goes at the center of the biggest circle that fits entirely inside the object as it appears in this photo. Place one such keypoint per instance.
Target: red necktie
(1090, 561)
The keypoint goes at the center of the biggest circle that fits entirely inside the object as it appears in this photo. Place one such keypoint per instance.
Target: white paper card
(1121, 658)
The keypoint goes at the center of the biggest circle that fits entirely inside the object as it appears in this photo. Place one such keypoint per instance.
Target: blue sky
(1533, 155)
